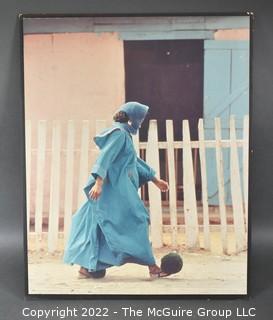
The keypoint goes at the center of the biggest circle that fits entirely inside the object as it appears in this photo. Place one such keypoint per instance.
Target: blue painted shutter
(226, 92)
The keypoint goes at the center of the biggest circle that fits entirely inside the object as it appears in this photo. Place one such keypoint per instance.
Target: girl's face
(139, 117)
(136, 123)
(136, 113)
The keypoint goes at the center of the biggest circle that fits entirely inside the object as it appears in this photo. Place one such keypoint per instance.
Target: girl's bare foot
(156, 272)
(83, 273)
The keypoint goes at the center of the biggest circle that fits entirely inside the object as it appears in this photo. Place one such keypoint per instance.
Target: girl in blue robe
(111, 227)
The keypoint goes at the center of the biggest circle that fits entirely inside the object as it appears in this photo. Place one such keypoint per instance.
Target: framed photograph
(137, 154)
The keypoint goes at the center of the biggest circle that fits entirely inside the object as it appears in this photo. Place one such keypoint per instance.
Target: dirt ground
(203, 273)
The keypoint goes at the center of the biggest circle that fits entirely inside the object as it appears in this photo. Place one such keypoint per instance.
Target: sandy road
(202, 273)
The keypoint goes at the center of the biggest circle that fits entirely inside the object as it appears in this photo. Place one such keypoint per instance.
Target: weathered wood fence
(74, 179)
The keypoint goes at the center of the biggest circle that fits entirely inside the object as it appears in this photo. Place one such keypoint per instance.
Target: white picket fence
(190, 228)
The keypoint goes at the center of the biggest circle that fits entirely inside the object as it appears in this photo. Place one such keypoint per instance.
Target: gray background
(12, 270)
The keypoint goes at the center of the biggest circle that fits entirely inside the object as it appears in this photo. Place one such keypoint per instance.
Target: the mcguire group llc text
(131, 312)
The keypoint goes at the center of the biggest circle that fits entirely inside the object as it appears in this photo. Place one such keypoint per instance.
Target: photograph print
(137, 154)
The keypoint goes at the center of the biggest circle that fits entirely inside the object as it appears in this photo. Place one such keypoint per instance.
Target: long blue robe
(113, 229)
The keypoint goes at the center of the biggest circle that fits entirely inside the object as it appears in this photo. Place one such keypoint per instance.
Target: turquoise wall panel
(226, 92)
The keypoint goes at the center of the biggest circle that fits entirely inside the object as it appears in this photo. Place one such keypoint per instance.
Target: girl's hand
(96, 190)
(161, 184)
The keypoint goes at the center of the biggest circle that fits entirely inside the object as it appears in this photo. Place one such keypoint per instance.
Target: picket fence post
(221, 184)
(69, 178)
(54, 204)
(28, 155)
(203, 167)
(236, 190)
(190, 206)
(246, 166)
(152, 158)
(83, 161)
(172, 181)
(39, 196)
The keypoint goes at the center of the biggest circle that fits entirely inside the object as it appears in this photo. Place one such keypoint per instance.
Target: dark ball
(171, 263)
(98, 274)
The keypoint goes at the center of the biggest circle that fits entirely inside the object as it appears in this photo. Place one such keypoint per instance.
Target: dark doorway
(167, 75)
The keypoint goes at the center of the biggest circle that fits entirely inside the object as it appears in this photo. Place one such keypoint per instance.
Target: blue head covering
(136, 113)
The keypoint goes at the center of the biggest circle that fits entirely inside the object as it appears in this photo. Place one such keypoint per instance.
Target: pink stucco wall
(232, 34)
(73, 76)
(70, 76)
